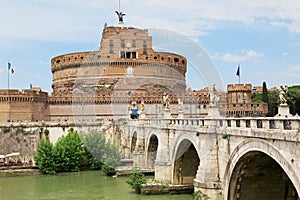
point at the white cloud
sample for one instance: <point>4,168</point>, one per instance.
<point>292,73</point>
<point>75,20</point>
<point>294,68</point>
<point>243,56</point>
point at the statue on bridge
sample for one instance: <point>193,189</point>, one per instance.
<point>166,101</point>
<point>212,95</point>
<point>282,94</point>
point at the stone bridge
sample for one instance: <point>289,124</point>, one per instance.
<point>226,158</point>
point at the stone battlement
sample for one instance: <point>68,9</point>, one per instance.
<point>239,87</point>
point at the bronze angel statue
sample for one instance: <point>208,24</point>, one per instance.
<point>120,15</point>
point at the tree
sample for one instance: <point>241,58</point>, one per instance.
<point>45,157</point>
<point>108,155</point>
<point>265,97</point>
<point>273,103</point>
<point>293,98</point>
<point>69,152</point>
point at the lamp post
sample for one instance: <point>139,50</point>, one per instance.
<point>190,105</point>
<point>244,106</point>
<point>254,107</point>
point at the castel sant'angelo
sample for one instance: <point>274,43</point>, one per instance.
<point>124,78</point>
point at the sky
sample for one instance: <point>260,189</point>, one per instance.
<point>262,37</point>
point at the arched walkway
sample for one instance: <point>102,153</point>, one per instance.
<point>152,151</point>
<point>186,163</point>
<point>257,170</point>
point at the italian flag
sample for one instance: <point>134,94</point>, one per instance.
<point>10,68</point>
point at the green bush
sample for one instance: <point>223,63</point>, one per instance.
<point>100,151</point>
<point>45,157</point>
<point>200,196</point>
<point>109,165</point>
<point>136,179</point>
<point>6,129</point>
<point>69,153</point>
<point>46,132</point>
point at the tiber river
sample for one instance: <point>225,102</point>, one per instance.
<point>86,185</point>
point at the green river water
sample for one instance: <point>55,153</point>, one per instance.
<point>80,185</point>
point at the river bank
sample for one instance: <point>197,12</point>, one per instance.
<point>19,171</point>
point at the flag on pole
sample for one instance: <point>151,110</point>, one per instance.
<point>238,71</point>
<point>10,68</point>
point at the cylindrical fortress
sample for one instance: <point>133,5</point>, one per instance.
<point>122,52</point>
<point>125,69</point>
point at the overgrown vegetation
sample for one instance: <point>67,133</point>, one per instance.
<point>6,129</point>
<point>225,135</point>
<point>72,153</point>
<point>200,196</point>
<point>136,180</point>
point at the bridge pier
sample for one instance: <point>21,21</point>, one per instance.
<point>140,159</point>
<point>163,172</point>
<point>208,174</point>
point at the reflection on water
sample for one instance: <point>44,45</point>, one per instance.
<point>65,186</point>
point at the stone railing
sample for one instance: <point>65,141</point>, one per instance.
<point>237,123</point>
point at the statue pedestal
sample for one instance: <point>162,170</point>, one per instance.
<point>180,115</point>
<point>213,112</point>
<point>167,113</point>
<point>283,111</point>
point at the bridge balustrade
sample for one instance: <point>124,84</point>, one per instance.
<point>247,123</point>
<point>265,123</point>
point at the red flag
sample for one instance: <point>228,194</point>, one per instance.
<point>12,70</point>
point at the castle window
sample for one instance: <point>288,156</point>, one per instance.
<point>123,44</point>
<point>111,43</point>
<point>133,54</point>
<point>183,62</point>
<point>162,58</point>
<point>128,54</point>
<point>176,60</point>
<point>123,54</point>
<point>144,47</point>
<point>133,43</point>
<point>155,57</point>
<point>58,61</point>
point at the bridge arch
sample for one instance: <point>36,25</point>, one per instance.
<point>152,150</point>
<point>256,158</point>
<point>186,161</point>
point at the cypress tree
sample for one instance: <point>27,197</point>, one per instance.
<point>265,97</point>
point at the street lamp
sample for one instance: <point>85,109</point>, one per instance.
<point>244,106</point>
<point>254,107</point>
<point>190,105</point>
